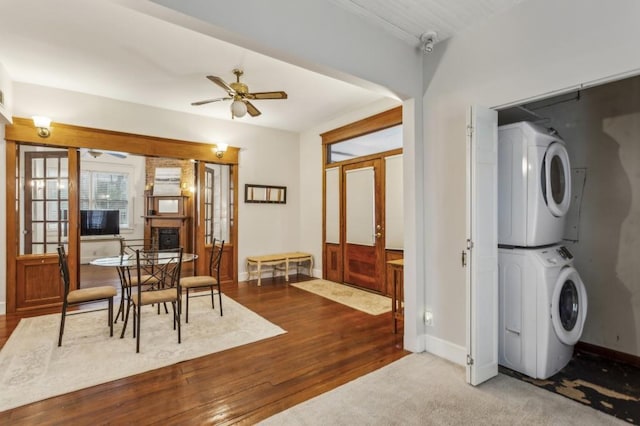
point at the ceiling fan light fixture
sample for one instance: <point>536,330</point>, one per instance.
<point>238,108</point>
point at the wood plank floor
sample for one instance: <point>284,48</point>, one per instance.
<point>326,345</point>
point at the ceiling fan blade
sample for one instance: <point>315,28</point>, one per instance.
<point>267,95</point>
<point>252,110</point>
<point>220,82</point>
<point>117,154</point>
<point>208,101</point>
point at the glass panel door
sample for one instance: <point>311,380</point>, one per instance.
<point>45,173</point>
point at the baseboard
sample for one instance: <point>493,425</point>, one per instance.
<point>610,354</point>
<point>3,308</point>
<point>447,350</point>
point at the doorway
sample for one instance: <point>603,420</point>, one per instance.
<point>363,170</point>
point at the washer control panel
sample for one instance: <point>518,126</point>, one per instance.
<point>556,255</point>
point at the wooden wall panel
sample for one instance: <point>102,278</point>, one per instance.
<point>333,262</point>
<point>41,282</point>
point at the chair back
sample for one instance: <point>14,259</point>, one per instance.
<point>64,270</point>
<point>129,246</point>
<point>216,259</point>
<point>159,266</point>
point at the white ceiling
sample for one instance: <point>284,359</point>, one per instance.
<point>105,49</point>
<point>408,19</point>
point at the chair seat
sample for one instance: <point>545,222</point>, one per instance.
<point>91,294</point>
<point>158,296</point>
<point>197,281</point>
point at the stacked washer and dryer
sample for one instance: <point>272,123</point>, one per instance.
<point>543,302</point>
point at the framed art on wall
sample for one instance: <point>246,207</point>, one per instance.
<point>265,194</point>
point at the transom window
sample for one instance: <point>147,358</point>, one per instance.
<point>361,146</point>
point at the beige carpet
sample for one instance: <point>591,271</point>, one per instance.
<point>33,367</point>
<point>361,300</point>
<point>421,389</point>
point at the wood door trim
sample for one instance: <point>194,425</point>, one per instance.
<point>377,122</point>
<point>367,125</point>
<point>23,132</point>
<point>12,227</point>
<point>68,136</point>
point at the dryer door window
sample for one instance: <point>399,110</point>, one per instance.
<point>555,177</point>
<point>568,306</point>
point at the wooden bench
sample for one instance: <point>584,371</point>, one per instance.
<point>276,261</point>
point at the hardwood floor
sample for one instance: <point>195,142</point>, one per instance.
<point>326,345</point>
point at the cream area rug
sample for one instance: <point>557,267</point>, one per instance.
<point>421,389</point>
<point>373,304</point>
<point>33,367</point>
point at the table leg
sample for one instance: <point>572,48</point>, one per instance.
<point>259,273</point>
<point>394,301</point>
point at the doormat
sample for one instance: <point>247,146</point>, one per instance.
<point>371,303</point>
<point>605,385</point>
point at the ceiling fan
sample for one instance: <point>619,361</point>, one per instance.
<point>241,96</point>
<point>95,153</point>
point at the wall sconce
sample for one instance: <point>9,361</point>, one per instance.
<point>43,124</point>
<point>220,149</point>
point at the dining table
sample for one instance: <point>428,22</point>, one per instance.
<point>129,260</point>
<point>126,261</point>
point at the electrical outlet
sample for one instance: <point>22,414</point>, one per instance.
<point>428,318</point>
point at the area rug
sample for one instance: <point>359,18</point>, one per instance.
<point>421,389</point>
<point>364,301</point>
<point>33,367</point>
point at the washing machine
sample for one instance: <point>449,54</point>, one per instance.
<point>543,307</point>
<point>534,185</point>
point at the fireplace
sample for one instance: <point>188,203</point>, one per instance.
<point>168,238</point>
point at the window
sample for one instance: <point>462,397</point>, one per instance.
<point>371,143</point>
<point>105,191</point>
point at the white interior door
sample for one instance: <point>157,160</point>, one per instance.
<point>482,245</point>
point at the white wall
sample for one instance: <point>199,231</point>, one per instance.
<point>6,86</point>
<point>535,48</point>
<point>266,156</point>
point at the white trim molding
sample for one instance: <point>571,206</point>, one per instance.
<point>447,350</point>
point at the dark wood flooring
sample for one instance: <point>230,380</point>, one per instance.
<point>326,345</point>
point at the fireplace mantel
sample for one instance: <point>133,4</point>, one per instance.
<point>168,211</point>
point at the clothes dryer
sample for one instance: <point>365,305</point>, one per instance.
<point>543,307</point>
<point>534,185</point>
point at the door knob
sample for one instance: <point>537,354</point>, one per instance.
<point>378,234</point>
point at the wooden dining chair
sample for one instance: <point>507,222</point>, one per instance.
<point>162,267</point>
<point>206,281</point>
<point>83,295</point>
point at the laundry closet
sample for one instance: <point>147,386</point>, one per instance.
<point>600,127</point>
